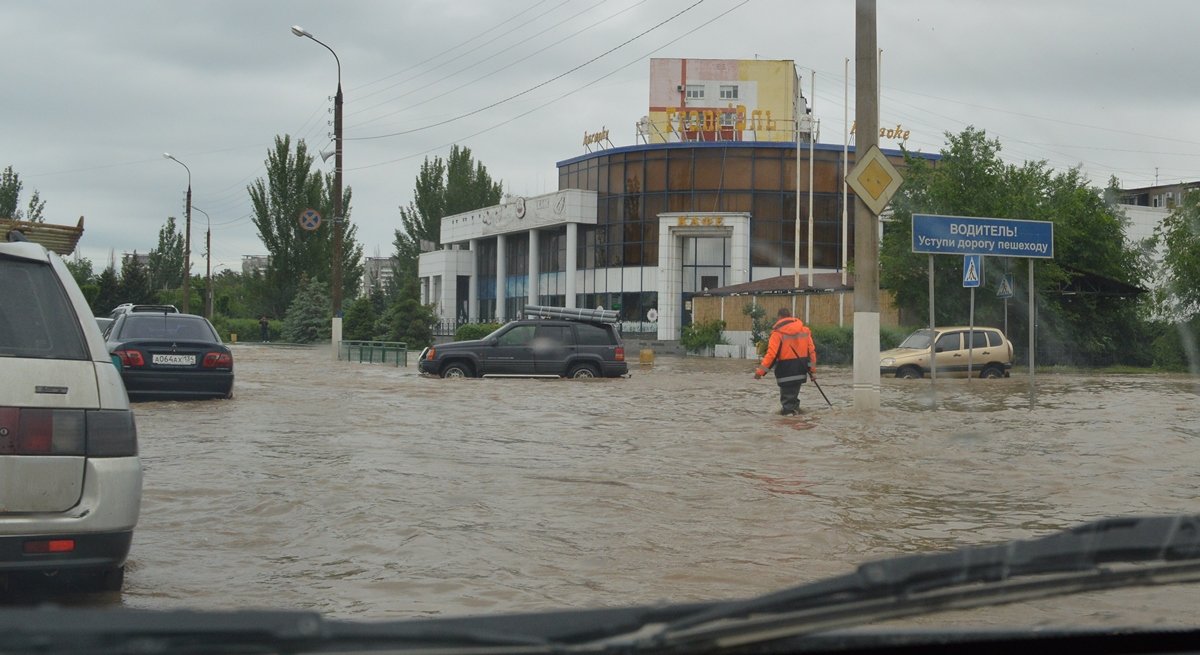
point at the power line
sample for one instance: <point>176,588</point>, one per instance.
<point>569,93</point>
<point>535,87</point>
<point>510,65</point>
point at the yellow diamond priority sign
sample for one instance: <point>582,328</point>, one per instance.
<point>874,179</point>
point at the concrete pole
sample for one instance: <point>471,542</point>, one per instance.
<point>866,224</point>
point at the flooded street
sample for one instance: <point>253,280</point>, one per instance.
<point>368,491</point>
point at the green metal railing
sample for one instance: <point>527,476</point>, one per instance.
<point>369,351</point>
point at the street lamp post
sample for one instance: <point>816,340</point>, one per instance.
<point>187,239</point>
<point>337,187</point>
<point>208,264</point>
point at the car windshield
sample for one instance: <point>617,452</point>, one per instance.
<point>919,339</point>
<point>449,345</point>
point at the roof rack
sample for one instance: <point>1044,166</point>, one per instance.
<point>602,315</point>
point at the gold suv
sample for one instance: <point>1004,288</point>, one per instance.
<point>983,352</point>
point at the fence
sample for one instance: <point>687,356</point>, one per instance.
<point>368,350</point>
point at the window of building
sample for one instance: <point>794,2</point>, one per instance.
<point>728,119</point>
<point>729,92</point>
<point>695,92</point>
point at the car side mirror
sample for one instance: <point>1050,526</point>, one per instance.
<point>493,341</point>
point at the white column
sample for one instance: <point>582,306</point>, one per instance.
<point>533,269</point>
<point>447,288</point>
<point>572,262</point>
<point>739,246</point>
<point>473,285</point>
<point>501,265</point>
<point>670,281</point>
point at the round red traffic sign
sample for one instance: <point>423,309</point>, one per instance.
<point>310,219</point>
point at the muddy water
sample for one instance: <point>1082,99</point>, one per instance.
<point>367,491</point>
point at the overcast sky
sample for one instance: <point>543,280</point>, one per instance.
<point>95,92</point>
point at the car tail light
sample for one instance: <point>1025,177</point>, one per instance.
<point>46,546</point>
<point>620,353</point>
<point>218,360</point>
<point>111,433</point>
<point>95,433</point>
<point>25,431</point>
<point>130,358</point>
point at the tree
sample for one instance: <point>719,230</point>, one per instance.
<point>409,321</point>
<point>307,319</point>
<point>442,188</point>
<point>135,283</point>
<point>165,268</point>
<point>291,186</point>
<point>360,320</point>
<point>81,269</point>
<point>1179,237</point>
<point>972,180</point>
<point>108,294</point>
<point>10,195</point>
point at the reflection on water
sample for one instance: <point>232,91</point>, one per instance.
<point>368,491</point>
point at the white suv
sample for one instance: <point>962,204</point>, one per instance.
<point>70,476</point>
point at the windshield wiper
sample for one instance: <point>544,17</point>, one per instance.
<point>1158,550</point>
<point>1165,550</point>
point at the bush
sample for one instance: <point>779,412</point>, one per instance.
<point>246,329</point>
<point>835,345</point>
<point>701,336</point>
<point>475,331</point>
<point>1176,349</point>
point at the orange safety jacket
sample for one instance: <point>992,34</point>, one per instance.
<point>790,351</point>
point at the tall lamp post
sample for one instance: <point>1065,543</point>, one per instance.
<point>337,191</point>
<point>187,239</point>
<point>208,264</point>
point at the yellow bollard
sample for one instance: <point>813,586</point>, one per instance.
<point>646,356</point>
<point>233,337</point>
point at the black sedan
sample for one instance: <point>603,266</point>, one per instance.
<point>165,355</point>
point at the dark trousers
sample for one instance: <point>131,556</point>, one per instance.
<point>264,333</point>
<point>789,397</point>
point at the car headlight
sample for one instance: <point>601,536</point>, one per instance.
<point>887,361</point>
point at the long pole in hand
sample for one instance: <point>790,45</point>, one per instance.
<point>814,381</point>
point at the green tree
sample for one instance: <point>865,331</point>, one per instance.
<point>81,269</point>
<point>359,324</point>
<point>166,260</point>
<point>292,186</point>
<point>443,188</point>
<point>1179,237</point>
<point>307,319</point>
<point>972,180</point>
<point>407,320</point>
<point>135,282</point>
<point>108,294</point>
<point>10,197</point>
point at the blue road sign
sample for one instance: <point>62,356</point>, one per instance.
<point>972,270</point>
<point>995,237</point>
<point>1006,287</point>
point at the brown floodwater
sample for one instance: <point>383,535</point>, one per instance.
<point>368,491</point>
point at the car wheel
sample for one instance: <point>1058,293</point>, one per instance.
<point>583,372</point>
<point>992,372</point>
<point>909,373</point>
<point>456,370</point>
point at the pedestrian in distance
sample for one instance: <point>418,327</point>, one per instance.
<point>792,354</point>
<point>264,329</point>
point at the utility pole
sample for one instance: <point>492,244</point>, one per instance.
<point>866,223</point>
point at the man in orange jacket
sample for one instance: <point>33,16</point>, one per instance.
<point>792,353</point>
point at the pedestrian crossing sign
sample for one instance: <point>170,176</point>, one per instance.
<point>1006,287</point>
<point>972,270</point>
